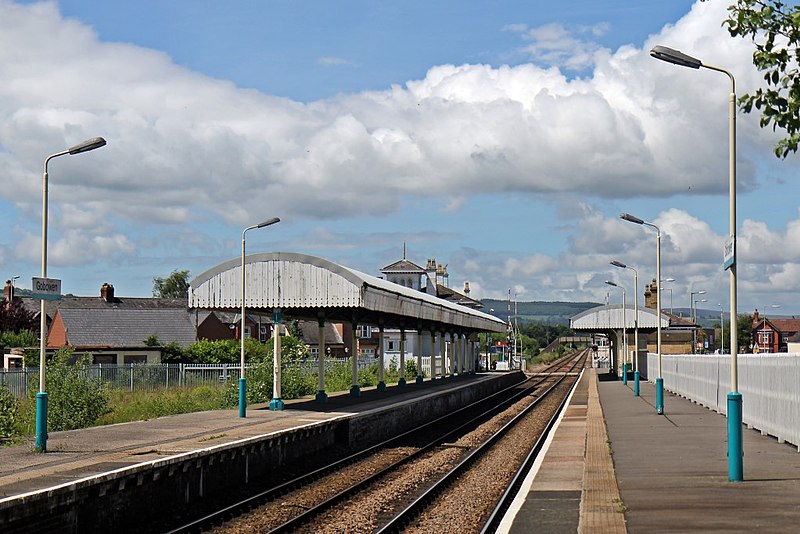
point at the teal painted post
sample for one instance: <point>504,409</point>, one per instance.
<point>41,421</point>
<point>660,396</point>
<point>625,374</point>
<point>636,383</point>
<point>242,397</point>
<point>735,449</point>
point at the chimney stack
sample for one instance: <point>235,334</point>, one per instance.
<point>7,291</point>
<point>107,292</point>
<point>755,316</point>
<point>466,288</point>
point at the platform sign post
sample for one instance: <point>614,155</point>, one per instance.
<point>46,288</point>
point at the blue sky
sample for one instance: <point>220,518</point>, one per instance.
<point>500,138</point>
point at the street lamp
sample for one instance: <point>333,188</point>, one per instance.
<point>694,332</point>
<point>41,396</point>
<point>621,265</point>
<point>242,381</point>
<point>624,334</point>
<point>735,450</point>
<point>670,293</point>
<point>693,316</point>
<point>660,379</point>
<point>691,300</point>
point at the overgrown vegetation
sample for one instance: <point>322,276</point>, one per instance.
<point>75,399</point>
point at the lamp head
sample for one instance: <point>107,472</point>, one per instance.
<point>619,264</point>
<point>268,222</point>
<point>86,146</point>
<point>630,218</point>
<point>609,282</point>
<point>675,57</point>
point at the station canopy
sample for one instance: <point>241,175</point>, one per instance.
<point>308,287</point>
<point>604,318</point>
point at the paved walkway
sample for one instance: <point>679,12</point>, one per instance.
<point>613,466</point>
<point>672,470</point>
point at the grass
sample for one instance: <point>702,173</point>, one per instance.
<point>129,406</point>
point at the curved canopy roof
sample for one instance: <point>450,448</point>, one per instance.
<point>309,287</point>
<point>611,318</point>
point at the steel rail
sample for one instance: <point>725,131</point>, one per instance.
<point>270,494</point>
<point>404,518</point>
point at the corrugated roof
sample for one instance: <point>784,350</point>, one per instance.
<point>611,318</point>
<point>305,286</point>
<point>114,327</point>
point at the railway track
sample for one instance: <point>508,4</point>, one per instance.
<point>401,483</point>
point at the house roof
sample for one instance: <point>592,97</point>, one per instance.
<point>781,325</point>
<point>444,292</point>
<point>127,328</point>
<point>403,266</point>
<point>311,333</point>
<point>124,303</point>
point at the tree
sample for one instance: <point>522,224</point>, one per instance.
<point>744,331</point>
<point>175,286</point>
<point>15,317</point>
<point>774,28</point>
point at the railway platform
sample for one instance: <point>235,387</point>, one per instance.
<point>614,465</point>
<point>77,454</point>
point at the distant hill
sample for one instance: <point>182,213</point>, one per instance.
<point>537,312</point>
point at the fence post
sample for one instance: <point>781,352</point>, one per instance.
<point>166,373</point>
<point>131,376</point>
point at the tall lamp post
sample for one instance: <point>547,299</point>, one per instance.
<point>621,265</point>
<point>624,333</point>
<point>721,329</point>
<point>242,380</point>
<point>692,315</point>
<point>41,396</point>
<point>694,312</point>
<point>735,450</point>
<point>670,292</point>
<point>660,379</point>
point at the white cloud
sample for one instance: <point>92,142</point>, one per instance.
<point>186,148</point>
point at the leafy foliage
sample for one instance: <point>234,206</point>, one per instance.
<point>175,286</point>
<point>15,317</point>
<point>8,414</point>
<point>774,28</point>
<point>75,399</point>
<point>21,338</point>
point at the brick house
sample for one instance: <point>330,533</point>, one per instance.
<point>773,335</point>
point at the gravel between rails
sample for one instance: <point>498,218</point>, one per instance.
<point>467,505</point>
<point>463,511</point>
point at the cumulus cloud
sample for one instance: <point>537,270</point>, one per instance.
<point>553,44</point>
<point>184,147</point>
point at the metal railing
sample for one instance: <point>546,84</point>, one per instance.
<point>150,377</point>
<point>768,384</point>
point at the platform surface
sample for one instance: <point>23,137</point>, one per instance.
<point>76,454</point>
<point>614,465</point>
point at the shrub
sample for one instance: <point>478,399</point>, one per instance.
<point>9,414</point>
<point>75,399</point>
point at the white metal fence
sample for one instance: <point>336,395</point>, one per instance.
<point>769,384</point>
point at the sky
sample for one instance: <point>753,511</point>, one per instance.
<point>501,138</point>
